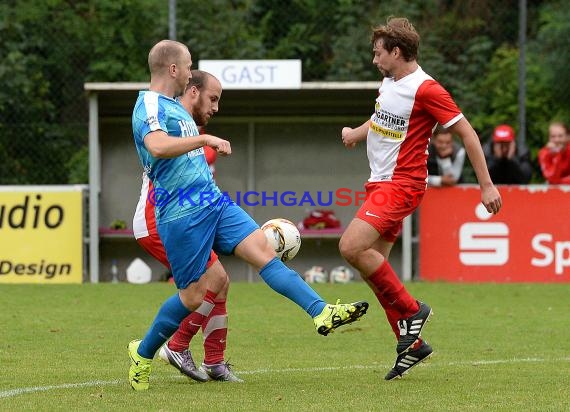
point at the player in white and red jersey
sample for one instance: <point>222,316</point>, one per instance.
<point>409,106</point>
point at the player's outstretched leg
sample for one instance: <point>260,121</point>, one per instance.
<point>289,283</point>
<point>411,328</point>
<point>183,362</point>
<point>406,361</point>
<point>339,314</point>
<point>221,372</point>
<point>139,371</point>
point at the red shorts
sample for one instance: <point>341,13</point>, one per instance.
<point>154,247</point>
<point>388,203</point>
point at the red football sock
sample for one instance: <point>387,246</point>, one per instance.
<point>394,294</point>
<point>392,314</point>
<point>191,324</point>
<point>215,330</point>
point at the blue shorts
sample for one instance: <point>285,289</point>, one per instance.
<point>189,240</point>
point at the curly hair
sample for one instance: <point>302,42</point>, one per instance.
<point>398,32</point>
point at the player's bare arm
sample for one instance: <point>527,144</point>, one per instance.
<point>352,136</point>
<point>490,196</point>
<point>162,146</point>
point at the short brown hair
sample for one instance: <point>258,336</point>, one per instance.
<point>398,32</point>
<point>199,79</point>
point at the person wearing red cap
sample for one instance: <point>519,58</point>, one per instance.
<point>506,164</point>
<point>554,158</point>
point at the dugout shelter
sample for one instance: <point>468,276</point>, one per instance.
<point>282,141</point>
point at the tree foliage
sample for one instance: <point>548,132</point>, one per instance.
<point>552,47</point>
<point>49,48</point>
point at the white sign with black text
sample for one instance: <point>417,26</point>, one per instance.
<point>255,74</point>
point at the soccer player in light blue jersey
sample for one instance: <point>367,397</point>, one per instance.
<point>201,99</point>
<point>193,216</point>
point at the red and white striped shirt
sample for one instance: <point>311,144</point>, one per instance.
<point>144,221</point>
<point>405,114</point>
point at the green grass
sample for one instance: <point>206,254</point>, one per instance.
<point>496,348</point>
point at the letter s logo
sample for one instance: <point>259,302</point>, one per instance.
<point>484,244</point>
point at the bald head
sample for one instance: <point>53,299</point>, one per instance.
<point>170,63</point>
<point>165,53</point>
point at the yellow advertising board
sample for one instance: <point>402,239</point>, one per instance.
<point>41,234</point>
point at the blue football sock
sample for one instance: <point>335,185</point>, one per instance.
<point>167,320</point>
<point>288,283</point>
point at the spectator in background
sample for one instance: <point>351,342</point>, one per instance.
<point>445,160</point>
<point>506,164</point>
<point>554,158</point>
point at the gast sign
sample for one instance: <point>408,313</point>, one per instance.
<point>255,74</point>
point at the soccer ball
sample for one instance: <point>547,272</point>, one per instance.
<point>316,274</point>
<point>283,236</point>
<point>341,274</point>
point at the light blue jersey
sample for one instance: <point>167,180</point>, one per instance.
<point>183,185</point>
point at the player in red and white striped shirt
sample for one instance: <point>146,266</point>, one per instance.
<point>409,106</point>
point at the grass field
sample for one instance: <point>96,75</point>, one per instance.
<point>496,348</point>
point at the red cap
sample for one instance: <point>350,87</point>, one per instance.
<point>503,133</point>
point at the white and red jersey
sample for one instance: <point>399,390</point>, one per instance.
<point>405,115</point>
<point>144,226</point>
<point>144,221</point>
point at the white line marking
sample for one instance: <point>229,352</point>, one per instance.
<point>33,389</point>
<point>21,391</point>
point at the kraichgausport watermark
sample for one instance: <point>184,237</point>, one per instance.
<point>340,197</point>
